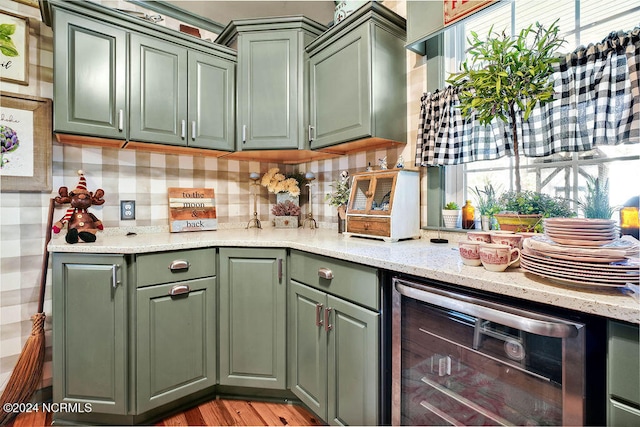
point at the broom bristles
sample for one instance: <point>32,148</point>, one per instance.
<point>27,373</point>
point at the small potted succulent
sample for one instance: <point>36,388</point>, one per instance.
<point>287,214</point>
<point>451,214</point>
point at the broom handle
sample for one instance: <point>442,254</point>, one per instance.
<point>45,256</point>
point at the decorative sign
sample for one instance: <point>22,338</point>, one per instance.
<point>458,9</point>
<point>192,209</point>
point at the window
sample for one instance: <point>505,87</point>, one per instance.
<point>565,174</point>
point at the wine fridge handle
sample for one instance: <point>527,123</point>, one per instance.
<point>509,316</point>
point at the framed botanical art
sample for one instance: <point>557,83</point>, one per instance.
<point>25,143</point>
<point>14,48</point>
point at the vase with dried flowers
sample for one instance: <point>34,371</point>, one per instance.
<point>285,186</point>
<point>287,214</point>
<point>339,197</point>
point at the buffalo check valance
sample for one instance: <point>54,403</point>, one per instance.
<point>596,102</point>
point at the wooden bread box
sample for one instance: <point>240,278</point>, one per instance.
<point>384,204</point>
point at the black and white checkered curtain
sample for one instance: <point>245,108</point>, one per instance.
<point>597,102</point>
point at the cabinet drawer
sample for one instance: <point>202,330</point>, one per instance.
<point>374,226</point>
<point>353,282</point>
<point>622,415</point>
<point>165,267</point>
<point>624,362</point>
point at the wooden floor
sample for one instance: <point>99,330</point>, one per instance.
<point>220,412</point>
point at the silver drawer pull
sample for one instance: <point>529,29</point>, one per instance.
<point>327,325</point>
<point>325,273</point>
<point>114,275</point>
<point>179,264</point>
<point>319,314</point>
<point>179,290</point>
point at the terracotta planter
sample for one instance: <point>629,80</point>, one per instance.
<point>517,222</point>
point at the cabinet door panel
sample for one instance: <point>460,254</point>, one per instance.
<point>89,350</point>
<point>158,91</point>
<point>252,318</point>
<point>308,347</point>
<point>211,102</point>
<point>90,77</point>
<point>353,362</point>
<point>340,85</point>
<point>175,342</point>
<point>268,91</point>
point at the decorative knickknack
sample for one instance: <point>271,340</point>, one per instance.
<point>287,214</point>
<point>339,198</point>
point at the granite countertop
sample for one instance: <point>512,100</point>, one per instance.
<point>417,257</point>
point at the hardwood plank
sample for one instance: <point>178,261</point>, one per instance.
<point>194,417</point>
<point>310,419</point>
<point>271,415</point>
<point>215,414</point>
<point>178,419</point>
<point>29,419</point>
<point>243,413</point>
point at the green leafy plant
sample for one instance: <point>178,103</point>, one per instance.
<point>504,73</point>
<point>341,191</point>
<point>531,202</point>
<point>486,200</point>
<point>451,206</point>
<point>596,202</point>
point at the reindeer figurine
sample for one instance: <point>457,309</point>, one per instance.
<point>83,225</point>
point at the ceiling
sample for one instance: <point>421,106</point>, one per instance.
<point>223,12</point>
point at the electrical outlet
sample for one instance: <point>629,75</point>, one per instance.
<point>127,209</point>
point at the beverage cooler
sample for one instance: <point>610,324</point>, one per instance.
<point>464,359</point>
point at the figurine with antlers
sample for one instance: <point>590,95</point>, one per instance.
<point>82,225</point>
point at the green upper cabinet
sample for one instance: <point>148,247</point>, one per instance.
<point>158,91</point>
<point>119,78</point>
<point>357,81</point>
<point>90,362</point>
<point>179,96</point>
<point>90,77</point>
<point>272,89</point>
<point>253,317</point>
<point>211,109</point>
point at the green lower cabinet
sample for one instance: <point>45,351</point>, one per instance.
<point>252,346</point>
<point>90,354</point>
<point>175,341</point>
<point>623,374</point>
<point>334,356</point>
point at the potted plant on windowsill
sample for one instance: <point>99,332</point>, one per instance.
<point>595,204</point>
<point>450,215</point>
<point>487,204</point>
<point>525,210</point>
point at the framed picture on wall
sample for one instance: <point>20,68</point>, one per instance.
<point>14,48</point>
<point>25,140</point>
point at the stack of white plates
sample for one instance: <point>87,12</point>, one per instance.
<point>581,232</point>
<point>611,264</point>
